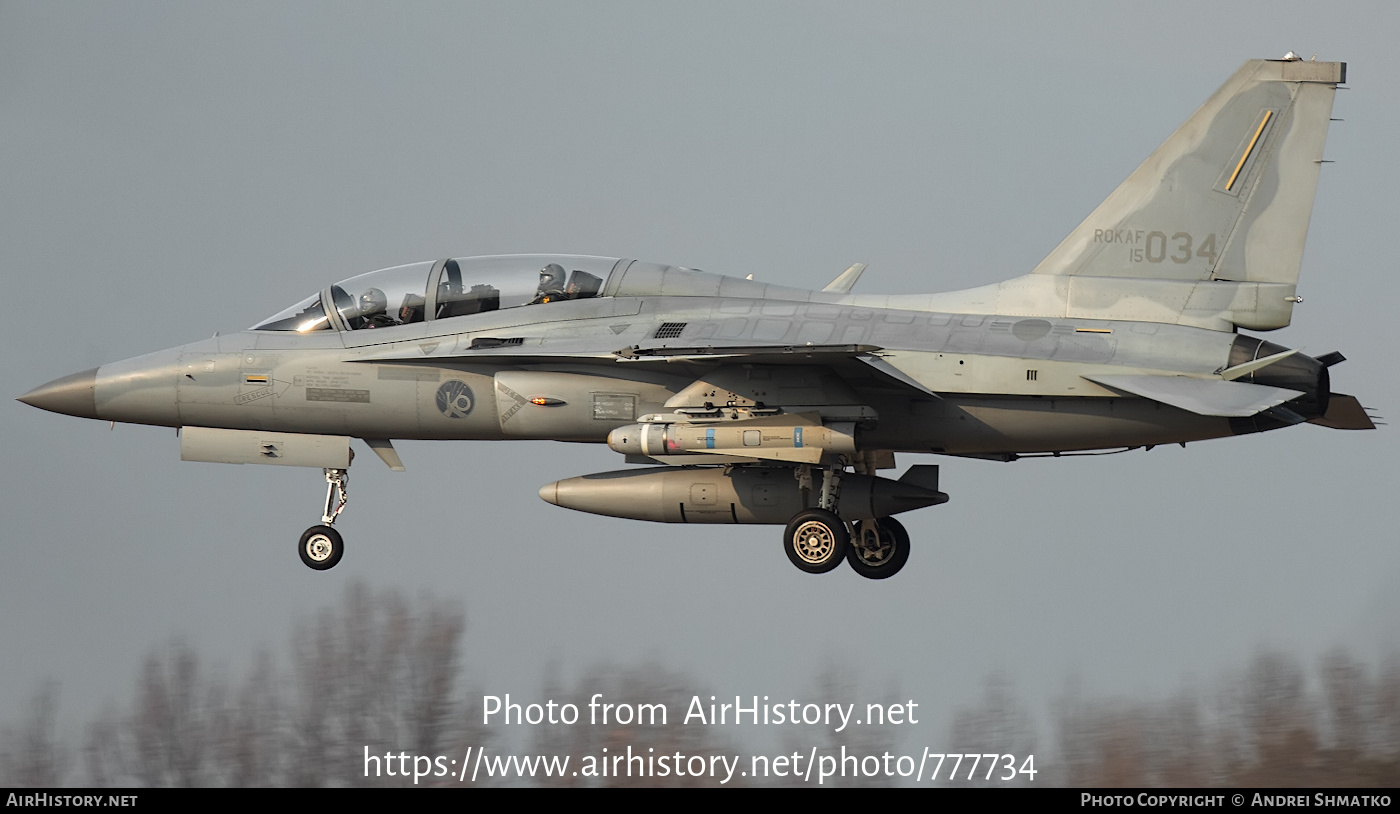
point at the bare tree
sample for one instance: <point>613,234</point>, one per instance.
<point>253,734</point>
<point>1265,729</point>
<point>642,732</point>
<point>168,736</point>
<point>31,756</point>
<point>999,724</point>
<point>1270,708</point>
<point>1125,744</point>
<point>1363,717</point>
<point>837,683</point>
<point>1100,742</point>
<point>375,677</point>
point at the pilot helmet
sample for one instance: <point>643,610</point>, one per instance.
<point>552,277</point>
<point>373,301</point>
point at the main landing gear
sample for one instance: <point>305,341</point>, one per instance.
<point>879,548</point>
<point>817,540</point>
<point>321,547</point>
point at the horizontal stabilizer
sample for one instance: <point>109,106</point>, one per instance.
<point>1200,396</point>
<point>846,281</point>
<point>1345,413</point>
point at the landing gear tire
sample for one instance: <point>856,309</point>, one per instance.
<point>816,541</point>
<point>880,549</point>
<point>321,547</point>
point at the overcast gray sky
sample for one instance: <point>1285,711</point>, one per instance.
<point>176,169</point>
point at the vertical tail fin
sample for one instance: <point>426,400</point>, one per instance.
<point>1226,198</point>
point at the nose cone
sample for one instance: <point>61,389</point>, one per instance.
<point>70,395</point>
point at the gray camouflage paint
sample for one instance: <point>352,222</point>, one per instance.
<point>999,370</point>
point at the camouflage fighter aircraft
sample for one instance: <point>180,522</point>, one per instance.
<point>747,402</point>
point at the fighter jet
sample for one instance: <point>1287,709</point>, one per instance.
<point>740,401</point>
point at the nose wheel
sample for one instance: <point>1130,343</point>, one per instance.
<point>321,547</point>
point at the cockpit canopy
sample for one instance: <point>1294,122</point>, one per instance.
<point>419,292</point>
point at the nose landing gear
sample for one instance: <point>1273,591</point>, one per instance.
<point>321,547</point>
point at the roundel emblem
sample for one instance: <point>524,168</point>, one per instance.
<point>454,399</point>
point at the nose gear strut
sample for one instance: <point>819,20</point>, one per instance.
<point>337,494</point>
<point>321,547</point>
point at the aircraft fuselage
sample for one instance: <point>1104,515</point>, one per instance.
<point>1005,385</point>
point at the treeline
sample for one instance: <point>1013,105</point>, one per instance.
<point>383,674</point>
<point>377,671</point>
<point>1270,725</point>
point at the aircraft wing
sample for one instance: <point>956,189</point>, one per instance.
<point>838,357</point>
<point>1200,396</point>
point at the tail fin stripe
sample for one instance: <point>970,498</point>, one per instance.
<point>1229,185</point>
